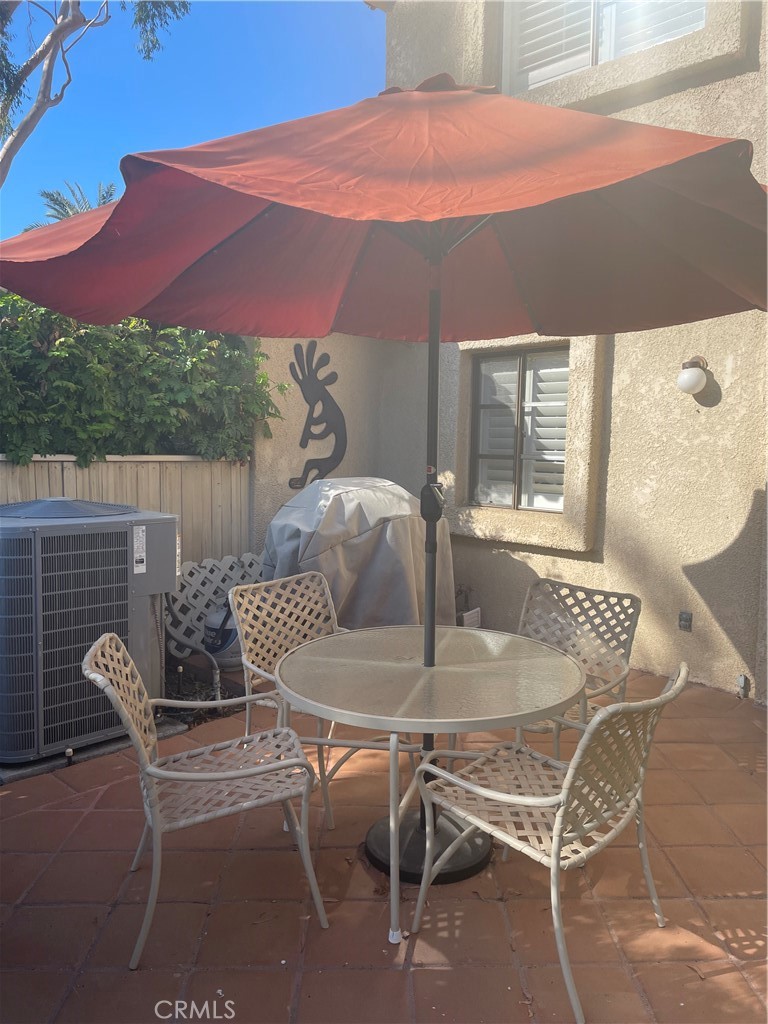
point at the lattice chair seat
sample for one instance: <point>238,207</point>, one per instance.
<point>182,802</point>
<point>203,586</point>
<point>275,617</point>
<point>595,627</point>
<point>558,814</point>
<point>204,783</point>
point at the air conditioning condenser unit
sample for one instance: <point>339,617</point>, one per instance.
<point>71,570</point>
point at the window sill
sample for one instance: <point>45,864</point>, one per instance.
<point>523,526</point>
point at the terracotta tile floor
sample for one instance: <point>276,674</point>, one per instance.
<point>234,931</point>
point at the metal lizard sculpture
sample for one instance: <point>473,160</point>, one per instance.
<point>324,417</point>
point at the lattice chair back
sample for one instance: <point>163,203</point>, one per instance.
<point>596,627</point>
<point>276,616</point>
<point>203,586</point>
<point>606,772</point>
<point>109,665</point>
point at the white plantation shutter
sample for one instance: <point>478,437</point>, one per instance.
<point>631,25</point>
<point>552,39</point>
<point>544,422</point>
<point>519,446</point>
<point>497,431</point>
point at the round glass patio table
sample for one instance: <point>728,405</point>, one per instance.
<point>375,679</point>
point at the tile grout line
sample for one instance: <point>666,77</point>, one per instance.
<point>627,965</point>
<point>78,968</point>
<point>517,965</point>
<point>213,902</point>
<point>298,978</point>
<point>51,854</point>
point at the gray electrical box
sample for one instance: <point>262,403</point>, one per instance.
<point>71,570</point>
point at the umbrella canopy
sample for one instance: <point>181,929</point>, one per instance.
<point>442,213</point>
<point>574,223</point>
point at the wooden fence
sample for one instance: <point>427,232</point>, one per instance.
<point>211,499</point>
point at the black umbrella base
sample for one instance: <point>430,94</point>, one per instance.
<point>468,860</point>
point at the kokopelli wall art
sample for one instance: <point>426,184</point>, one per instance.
<point>324,417</point>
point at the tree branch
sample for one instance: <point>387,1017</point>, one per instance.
<point>71,19</point>
<point>44,10</point>
<point>93,23</point>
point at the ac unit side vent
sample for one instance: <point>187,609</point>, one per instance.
<point>17,645</point>
<point>77,607</point>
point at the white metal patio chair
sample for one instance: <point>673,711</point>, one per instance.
<point>596,627</point>
<point>203,783</point>
<point>558,814</point>
<point>275,617</point>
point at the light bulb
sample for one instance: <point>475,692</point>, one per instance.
<point>692,378</point>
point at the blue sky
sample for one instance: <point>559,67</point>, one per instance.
<point>229,66</point>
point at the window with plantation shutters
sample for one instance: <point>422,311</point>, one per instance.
<point>550,39</point>
<point>520,408</point>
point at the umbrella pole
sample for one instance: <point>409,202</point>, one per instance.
<point>431,493</point>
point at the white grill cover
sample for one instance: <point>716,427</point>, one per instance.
<point>365,535</point>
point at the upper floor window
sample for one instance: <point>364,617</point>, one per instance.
<point>556,39</point>
<point>519,419</point>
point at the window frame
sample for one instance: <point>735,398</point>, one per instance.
<point>723,46</point>
<point>475,458</point>
<point>588,384</point>
<point>598,10</point>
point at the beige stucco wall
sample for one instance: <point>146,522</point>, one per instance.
<point>368,373</point>
<point>679,510</point>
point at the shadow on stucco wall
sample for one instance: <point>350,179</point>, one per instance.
<point>705,577</point>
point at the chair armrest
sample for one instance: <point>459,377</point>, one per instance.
<point>266,676</point>
<point>245,773</point>
<point>569,723</point>
<point>253,698</point>
<point>487,794</point>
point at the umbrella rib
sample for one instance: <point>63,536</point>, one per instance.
<point>477,226</point>
<point>213,248</point>
<point>637,226</point>
<point>352,274</point>
<point>517,279</point>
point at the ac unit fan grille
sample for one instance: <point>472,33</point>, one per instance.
<point>84,593</point>
<point>17,646</point>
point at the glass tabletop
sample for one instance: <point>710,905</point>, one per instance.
<point>375,678</point>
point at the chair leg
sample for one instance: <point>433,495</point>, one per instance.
<point>395,932</point>
<point>429,859</point>
<point>452,745</point>
<point>322,775</point>
<point>643,845</point>
<point>157,856</point>
<point>411,755</point>
<point>140,848</point>
<point>301,835</point>
<point>519,735</point>
<point>248,692</point>
<point>556,740</point>
<point>562,951</point>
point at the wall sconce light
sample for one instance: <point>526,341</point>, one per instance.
<point>692,377</point>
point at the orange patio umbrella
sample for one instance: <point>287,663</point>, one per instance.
<point>442,213</point>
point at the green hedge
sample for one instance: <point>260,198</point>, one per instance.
<point>129,389</point>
